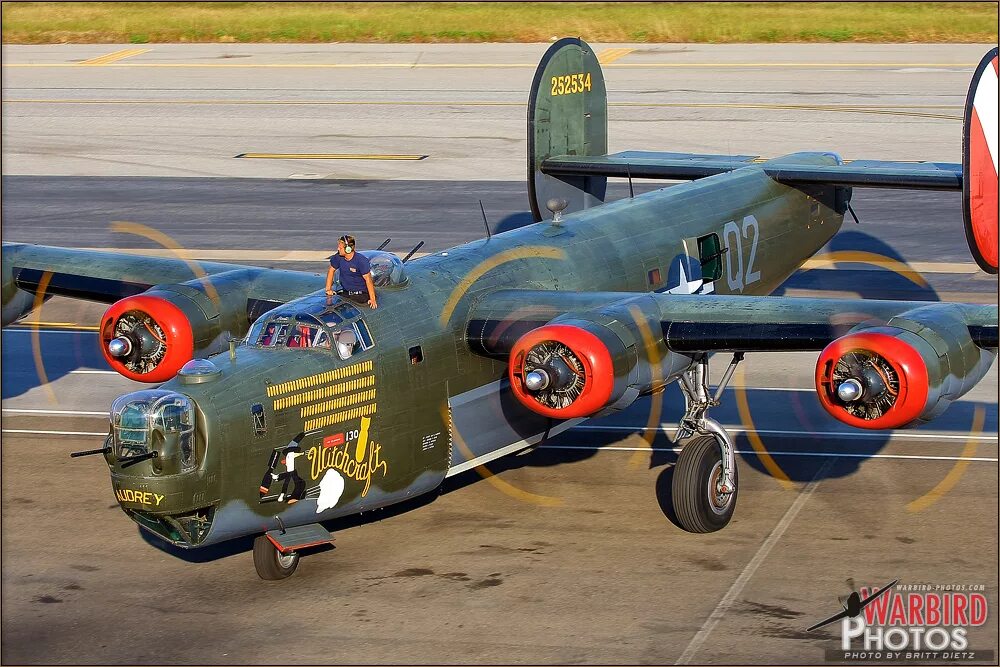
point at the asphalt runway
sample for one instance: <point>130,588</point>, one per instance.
<point>581,561</point>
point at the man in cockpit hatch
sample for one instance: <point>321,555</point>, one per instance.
<point>355,273</point>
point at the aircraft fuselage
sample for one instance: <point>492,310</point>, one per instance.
<point>376,429</point>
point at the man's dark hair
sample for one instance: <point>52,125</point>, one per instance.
<point>348,239</point>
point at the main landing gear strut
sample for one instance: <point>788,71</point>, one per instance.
<point>706,479</point>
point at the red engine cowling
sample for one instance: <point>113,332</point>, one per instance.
<point>562,371</point>
<point>146,338</point>
<point>872,380</point>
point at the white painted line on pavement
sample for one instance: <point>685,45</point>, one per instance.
<point>737,588</point>
<point>840,455</point>
<point>901,435</point>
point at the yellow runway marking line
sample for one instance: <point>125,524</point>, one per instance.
<point>503,65</point>
<point>610,55</point>
<point>329,156</point>
<point>56,325</point>
<point>114,57</point>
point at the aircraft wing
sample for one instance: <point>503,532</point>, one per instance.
<point>106,277</point>
<point>165,310</point>
<point>827,621</point>
<point>689,166</point>
<point>883,364</point>
<point>693,323</point>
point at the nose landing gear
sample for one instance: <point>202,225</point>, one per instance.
<point>705,478</point>
<point>270,563</point>
<point>276,552</point>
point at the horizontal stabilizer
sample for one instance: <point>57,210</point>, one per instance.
<point>872,174</point>
<point>691,166</point>
<point>646,164</point>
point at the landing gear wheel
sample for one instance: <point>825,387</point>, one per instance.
<point>270,563</point>
<point>699,506</point>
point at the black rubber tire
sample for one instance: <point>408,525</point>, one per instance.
<point>268,561</point>
<point>692,476</point>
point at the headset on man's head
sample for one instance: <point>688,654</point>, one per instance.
<point>348,242</point>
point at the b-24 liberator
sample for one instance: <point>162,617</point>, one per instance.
<point>279,408</point>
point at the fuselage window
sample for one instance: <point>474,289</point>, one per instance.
<point>710,253</point>
<point>364,337</point>
<point>416,355</point>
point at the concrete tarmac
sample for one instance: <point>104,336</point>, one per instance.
<point>598,572</point>
<point>188,110</point>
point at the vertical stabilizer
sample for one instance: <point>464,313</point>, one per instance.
<point>567,115</point>
<point>979,164</point>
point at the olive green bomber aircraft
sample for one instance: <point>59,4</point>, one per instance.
<point>322,409</point>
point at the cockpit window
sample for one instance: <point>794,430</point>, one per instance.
<point>327,323</point>
<point>304,335</point>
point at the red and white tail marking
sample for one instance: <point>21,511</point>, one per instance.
<point>981,165</point>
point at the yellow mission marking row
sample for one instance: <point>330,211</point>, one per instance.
<point>338,403</point>
<point>320,378</point>
<point>324,392</point>
<point>337,417</point>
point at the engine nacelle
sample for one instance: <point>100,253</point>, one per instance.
<point>149,336</point>
<point>904,373</point>
<point>586,366</point>
<point>564,371</point>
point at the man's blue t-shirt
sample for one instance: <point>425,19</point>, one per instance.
<point>352,271</point>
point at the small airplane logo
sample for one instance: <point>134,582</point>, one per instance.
<point>854,605</point>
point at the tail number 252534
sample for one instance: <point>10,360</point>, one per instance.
<point>569,84</point>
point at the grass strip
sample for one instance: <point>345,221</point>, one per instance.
<point>736,22</point>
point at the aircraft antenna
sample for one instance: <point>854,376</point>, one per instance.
<point>628,172</point>
<point>410,254</point>
<point>486,222</point>
<point>384,244</point>
<point>853,214</point>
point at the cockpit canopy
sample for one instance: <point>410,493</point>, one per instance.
<point>387,269</point>
<point>316,322</point>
